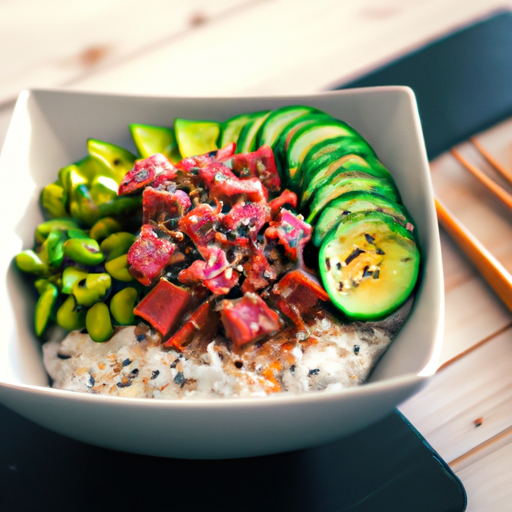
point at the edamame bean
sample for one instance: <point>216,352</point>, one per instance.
<point>103,189</point>
<point>70,275</point>
<point>120,205</point>
<point>118,268</point>
<point>29,261</point>
<point>122,304</point>
<point>44,307</point>
<point>93,288</point>
<point>52,248</point>
<point>117,244</point>
<point>54,199</point>
<point>98,323</point>
<point>104,228</point>
<point>45,228</point>
<point>82,205</point>
<point>70,316</point>
<point>83,250</point>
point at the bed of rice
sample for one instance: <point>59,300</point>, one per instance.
<point>132,364</point>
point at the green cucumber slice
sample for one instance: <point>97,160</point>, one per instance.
<point>347,181</point>
<point>278,120</point>
<point>281,146</point>
<point>348,162</point>
<point>307,137</point>
<point>150,139</point>
<point>196,137</point>
<point>230,129</point>
<point>247,138</point>
<point>357,201</point>
<point>369,265</point>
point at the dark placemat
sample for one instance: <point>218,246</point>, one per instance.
<point>462,81</point>
<point>386,467</point>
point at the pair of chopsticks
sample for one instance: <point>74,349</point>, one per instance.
<point>491,269</point>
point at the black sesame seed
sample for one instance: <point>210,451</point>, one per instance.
<point>135,371</point>
<point>127,361</point>
<point>155,374</point>
<point>340,286</point>
<point>239,364</point>
<point>314,371</point>
<point>328,263</point>
<point>292,368</point>
<point>338,265</point>
<point>180,379</point>
<point>356,349</point>
<point>90,382</point>
<point>141,337</point>
<point>380,251</point>
<point>125,384</point>
<point>353,255</point>
<point>175,363</point>
<point>369,238</point>
<point>366,272</point>
<point>63,356</point>
<point>376,274</point>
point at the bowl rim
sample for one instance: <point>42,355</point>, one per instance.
<point>406,379</point>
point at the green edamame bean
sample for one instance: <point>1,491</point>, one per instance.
<point>93,288</point>
<point>29,261</point>
<point>70,275</point>
<point>114,160</point>
<point>122,304</point>
<point>83,250</point>
<point>70,316</point>
<point>54,199</point>
<point>82,206</point>
<point>77,233</point>
<point>98,322</point>
<point>120,205</point>
<point>118,268</point>
<point>45,228</point>
<point>104,228</point>
<point>52,248</point>
<point>44,307</point>
<point>117,244</point>
<point>103,189</point>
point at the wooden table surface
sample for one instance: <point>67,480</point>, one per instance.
<point>231,47</point>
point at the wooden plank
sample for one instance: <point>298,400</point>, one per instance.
<point>467,402</point>
<point>488,480</point>
<point>57,42</point>
<point>289,50</point>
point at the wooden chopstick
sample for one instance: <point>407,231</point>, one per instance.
<point>491,269</point>
<point>496,189</point>
<point>494,163</point>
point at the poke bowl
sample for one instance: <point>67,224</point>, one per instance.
<point>49,130</point>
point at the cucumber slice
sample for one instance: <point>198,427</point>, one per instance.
<point>114,161</point>
<point>278,120</point>
<point>281,146</point>
<point>155,139</point>
<point>346,181</point>
<point>345,163</point>
<point>328,151</point>
<point>369,265</point>
<point>357,201</point>
<point>307,137</point>
<point>196,137</point>
<point>247,138</point>
<point>230,129</point>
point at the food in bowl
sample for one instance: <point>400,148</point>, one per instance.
<point>209,247</point>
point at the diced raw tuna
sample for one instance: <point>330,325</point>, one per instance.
<point>149,255</point>
<point>258,164</point>
<point>144,172</point>
<point>161,206</point>
<point>163,306</point>
<point>246,219</point>
<point>200,326</point>
<point>292,232</point>
<point>248,319</point>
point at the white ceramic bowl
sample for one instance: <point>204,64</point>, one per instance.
<point>49,129</point>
